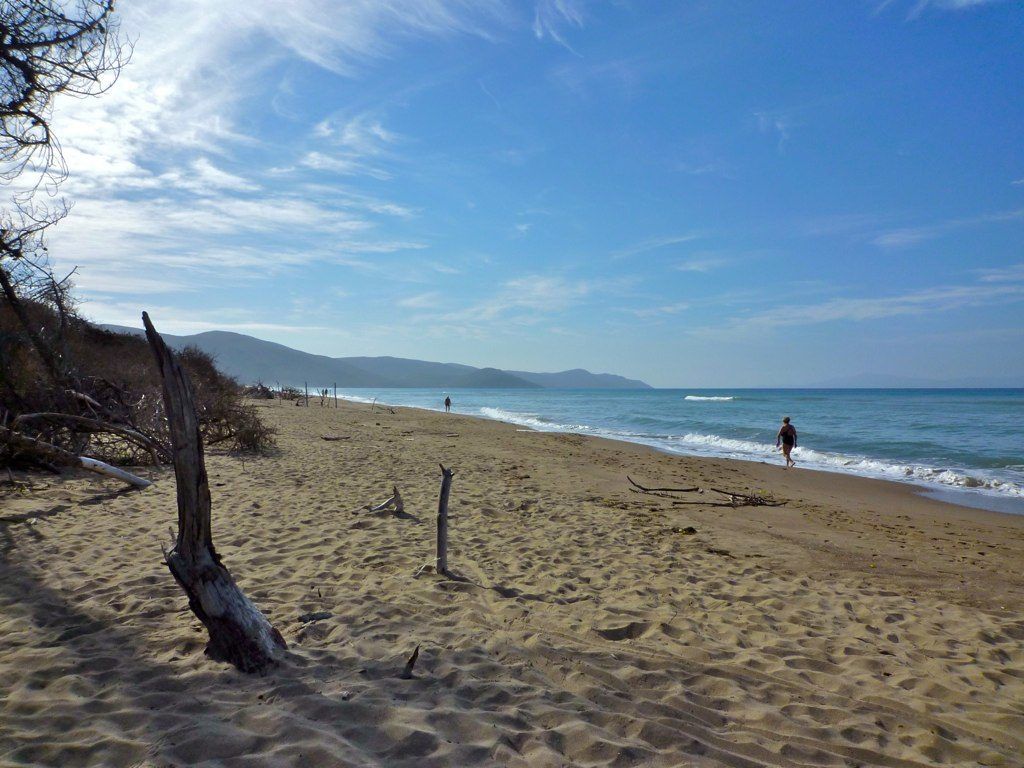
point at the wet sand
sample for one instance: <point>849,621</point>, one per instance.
<point>859,624</point>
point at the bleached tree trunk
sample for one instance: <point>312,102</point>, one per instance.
<point>239,633</point>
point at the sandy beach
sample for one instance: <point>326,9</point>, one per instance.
<point>860,624</point>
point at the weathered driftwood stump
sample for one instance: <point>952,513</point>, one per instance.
<point>441,565</point>
<point>239,633</point>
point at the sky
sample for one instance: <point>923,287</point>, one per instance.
<point>699,194</point>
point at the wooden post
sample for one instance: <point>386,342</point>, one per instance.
<point>239,633</point>
<point>335,394</point>
<point>442,521</point>
<point>305,384</point>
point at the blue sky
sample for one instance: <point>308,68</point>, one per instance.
<point>696,193</point>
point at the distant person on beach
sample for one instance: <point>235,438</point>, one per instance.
<point>447,404</point>
<point>787,436</point>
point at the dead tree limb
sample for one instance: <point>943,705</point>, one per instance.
<point>747,500</point>
<point>735,499</point>
<point>60,456</point>
<point>441,565</point>
<point>239,633</point>
<point>635,484</point>
<point>148,444</point>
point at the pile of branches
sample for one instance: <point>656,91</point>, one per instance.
<point>735,499</point>
<point>93,392</point>
<point>258,391</point>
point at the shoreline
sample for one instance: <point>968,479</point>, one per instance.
<point>967,498</point>
<point>589,625</point>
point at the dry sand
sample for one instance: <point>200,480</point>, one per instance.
<point>858,625</point>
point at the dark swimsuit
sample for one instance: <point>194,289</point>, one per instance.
<point>787,437</point>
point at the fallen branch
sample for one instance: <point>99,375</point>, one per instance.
<point>663,490</point>
<point>148,444</point>
<point>736,499</point>
<point>60,456</point>
<point>746,500</point>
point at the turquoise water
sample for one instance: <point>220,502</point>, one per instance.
<point>969,441</point>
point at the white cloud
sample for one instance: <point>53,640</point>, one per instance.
<point>702,263</point>
<point>346,165</point>
<point>549,16</point>
<point>658,311</point>
<point>156,169</point>
<point>1011,274</point>
<point>421,301</point>
<point>653,244</point>
<point>172,319</point>
<point>908,236</point>
<point>776,124</point>
<point>921,6</point>
<point>924,301</point>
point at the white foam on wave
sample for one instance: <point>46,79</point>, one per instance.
<point>707,399</point>
<point>837,462</point>
<point>356,398</point>
<point>731,448</point>
<point>532,420</point>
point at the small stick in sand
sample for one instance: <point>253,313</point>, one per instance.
<point>407,672</point>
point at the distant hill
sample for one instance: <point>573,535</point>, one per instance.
<point>249,360</point>
<point>579,378</point>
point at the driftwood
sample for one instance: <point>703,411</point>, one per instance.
<point>663,490</point>
<point>239,633</point>
<point>736,499</point>
<point>333,438</point>
<point>60,456</point>
<point>442,521</point>
<point>394,501</point>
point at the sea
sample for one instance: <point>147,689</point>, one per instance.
<point>960,445</point>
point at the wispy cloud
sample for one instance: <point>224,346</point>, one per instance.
<point>660,311</point>
<point>920,6</point>
<point>654,244</point>
<point>908,236</point>
<point>925,301</point>
<point>776,124</point>
<point>427,300</point>
<point>155,168</point>
<point>1011,274</point>
<point>172,319</point>
<point>704,263</point>
<point>551,16</point>
<point>584,78</point>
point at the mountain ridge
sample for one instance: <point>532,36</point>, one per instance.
<point>249,360</point>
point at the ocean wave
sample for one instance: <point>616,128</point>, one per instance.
<point>693,443</point>
<point>356,398</point>
<point>703,398</point>
<point>532,420</point>
<point>837,462</point>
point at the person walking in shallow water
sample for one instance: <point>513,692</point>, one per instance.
<point>787,436</point>
<point>447,404</point>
